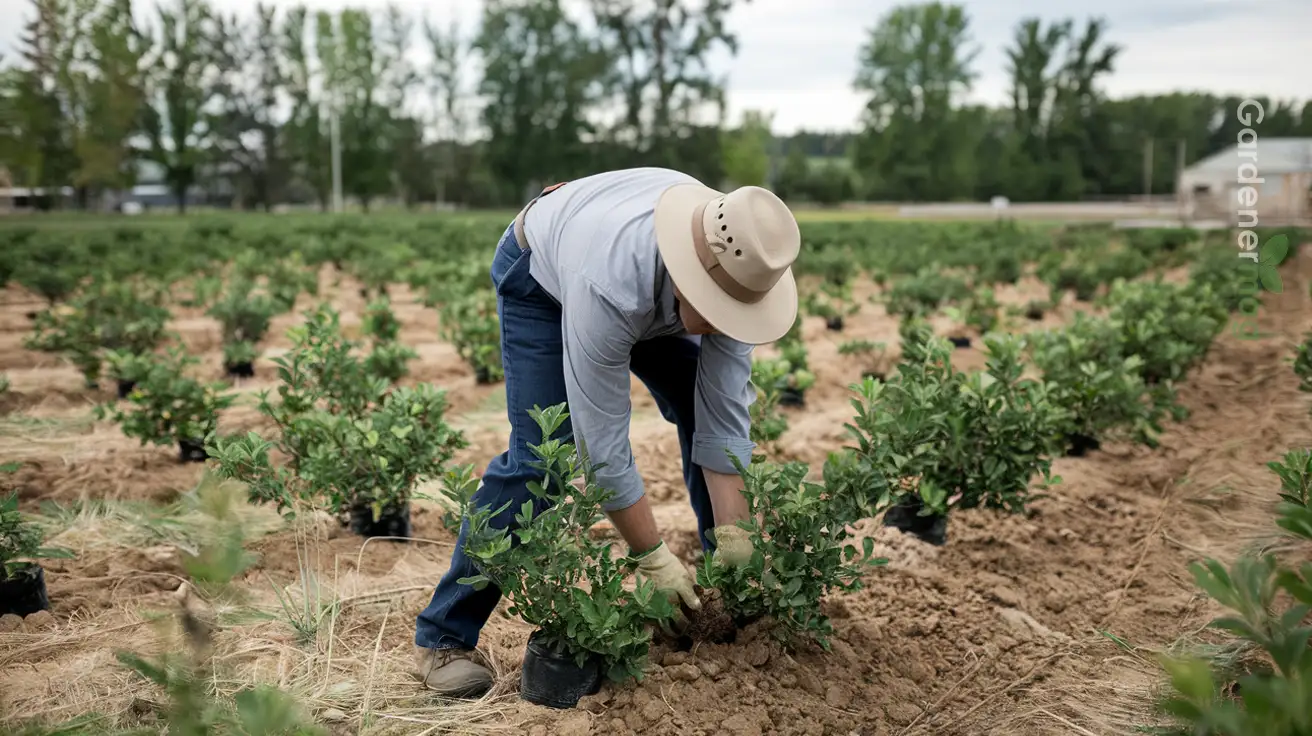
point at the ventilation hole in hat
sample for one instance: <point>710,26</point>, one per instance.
<point>720,216</point>
<point>723,228</point>
<point>730,240</point>
<point>738,252</point>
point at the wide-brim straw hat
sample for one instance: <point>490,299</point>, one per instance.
<point>731,257</point>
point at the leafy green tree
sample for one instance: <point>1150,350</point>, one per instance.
<point>112,98</point>
<point>660,75</point>
<point>248,128</point>
<point>180,86</point>
<point>916,62</point>
<point>541,74</point>
<point>305,132</point>
<point>746,150</point>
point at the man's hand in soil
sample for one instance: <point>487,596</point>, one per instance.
<point>733,546</point>
<point>670,577</point>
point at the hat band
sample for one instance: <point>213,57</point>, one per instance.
<point>721,277</point>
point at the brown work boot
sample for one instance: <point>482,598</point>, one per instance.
<point>453,673</point>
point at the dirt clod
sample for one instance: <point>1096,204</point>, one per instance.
<point>574,724</point>
<point>10,623</point>
<point>683,672</point>
<point>712,623</point>
<point>40,621</point>
<point>838,695</point>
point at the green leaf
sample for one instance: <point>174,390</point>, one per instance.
<point>1273,251</point>
<point>1270,279</point>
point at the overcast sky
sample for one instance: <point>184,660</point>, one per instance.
<point>798,57</point>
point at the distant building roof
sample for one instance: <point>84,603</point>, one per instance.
<point>1274,156</point>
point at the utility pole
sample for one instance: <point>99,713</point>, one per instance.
<point>1179,175</point>
<point>1147,168</point>
<point>337,162</point>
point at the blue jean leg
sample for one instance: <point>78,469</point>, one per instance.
<point>667,366</point>
<point>532,357</point>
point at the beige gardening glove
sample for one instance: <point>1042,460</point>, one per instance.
<point>670,577</point>
<point>733,546</point>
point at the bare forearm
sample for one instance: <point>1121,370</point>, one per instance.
<point>727,499</point>
<point>637,525</point>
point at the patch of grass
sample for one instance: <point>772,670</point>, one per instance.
<point>23,425</point>
<point>183,524</point>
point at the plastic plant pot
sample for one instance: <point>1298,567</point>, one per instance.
<point>125,388</point>
<point>394,521</point>
<point>790,396</point>
<point>24,591</point>
<point>553,679</point>
<point>192,451</point>
<point>245,369</point>
<point>906,518</point>
<point>835,324</point>
<point>960,342</point>
<point>1081,444</point>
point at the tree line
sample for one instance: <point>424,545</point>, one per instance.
<point>243,107</point>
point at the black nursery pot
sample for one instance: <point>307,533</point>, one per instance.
<point>960,342</point>
<point>192,451</point>
<point>125,388</point>
<point>906,518</point>
<point>790,396</point>
<point>24,592</point>
<point>554,680</point>
<point>245,369</point>
<point>482,375</point>
<point>835,324</point>
<point>1034,314</point>
<point>1079,444</point>
<point>877,375</point>
<point>394,521</point>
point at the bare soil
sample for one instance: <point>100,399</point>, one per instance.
<point>1043,624</point>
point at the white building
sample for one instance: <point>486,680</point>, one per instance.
<point>1278,169</point>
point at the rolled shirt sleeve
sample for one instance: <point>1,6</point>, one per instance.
<point>722,404</point>
<point>598,339</point>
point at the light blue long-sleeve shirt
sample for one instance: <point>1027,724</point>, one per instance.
<point>594,251</point>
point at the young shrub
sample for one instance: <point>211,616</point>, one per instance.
<point>288,278</point>
<point>833,302</point>
<point>22,581</point>
<point>1303,363</point>
<point>958,440</point>
<point>981,311</point>
<point>322,370</point>
<point>1268,603</point>
<point>131,316</point>
<point>804,550</point>
<point>557,577</point>
<point>470,323</point>
<point>872,354</point>
<point>103,316</point>
<point>380,265</point>
<point>924,292</point>
<point>1171,327</point>
<point>50,268</point>
<point>353,444</point>
<point>128,369</point>
<point>770,378</point>
<point>388,358</point>
<point>793,351</point>
<point>244,315</point>
<point>168,407</point>
<point>1098,387</point>
<point>69,330</point>
<point>285,279</point>
<point>1002,434</point>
